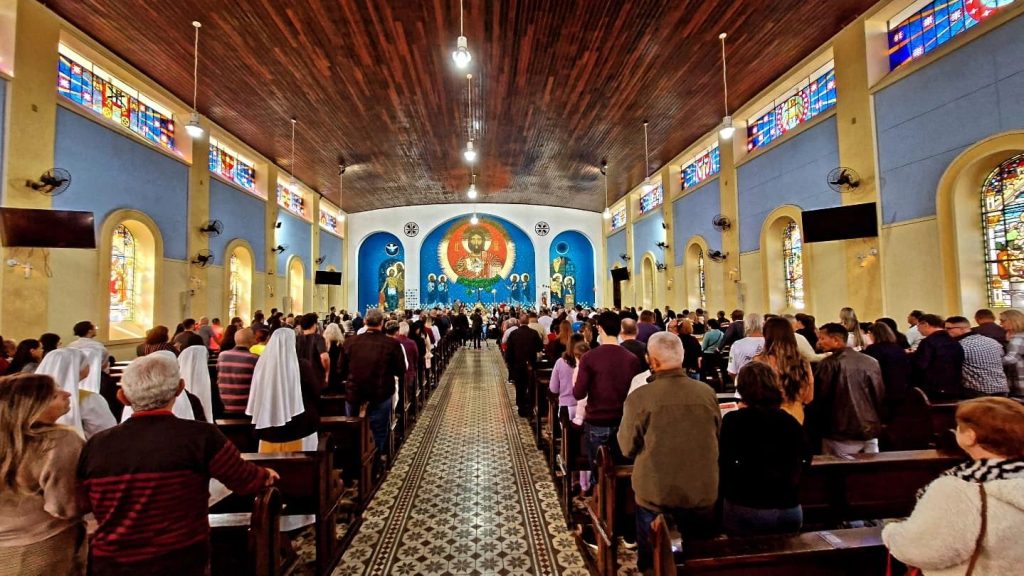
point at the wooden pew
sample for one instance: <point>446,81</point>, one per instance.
<point>256,531</point>
<point>849,552</point>
<point>571,458</point>
<point>552,431</point>
<point>606,509</point>
<point>541,380</point>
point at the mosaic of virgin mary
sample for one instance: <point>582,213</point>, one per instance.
<point>477,255</point>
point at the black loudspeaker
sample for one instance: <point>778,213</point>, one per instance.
<point>620,274</point>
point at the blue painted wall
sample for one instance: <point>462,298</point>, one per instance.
<point>110,171</point>
<point>331,246</point>
<point>294,233</point>
<point>927,119</point>
<point>646,233</point>
<point>522,290</point>
<point>379,251</point>
<point>575,258</point>
<point>615,245</point>
<point>242,215</point>
<point>793,172</point>
<point>691,216</point>
<point>3,117</point>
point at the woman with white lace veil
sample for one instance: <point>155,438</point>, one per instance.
<point>89,411</point>
<point>195,371</point>
<point>283,397</point>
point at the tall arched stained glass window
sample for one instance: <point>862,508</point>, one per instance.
<point>793,260</point>
<point>234,285</point>
<point>701,280</point>
<point>1002,219</point>
<point>123,274</point>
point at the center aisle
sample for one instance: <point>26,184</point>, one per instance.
<point>469,493</point>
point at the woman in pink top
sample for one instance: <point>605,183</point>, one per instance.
<point>561,377</point>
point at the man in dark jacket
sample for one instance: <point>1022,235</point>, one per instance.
<point>848,396</point>
<point>460,324</point>
<point>938,361</point>
<point>372,364</point>
<point>735,331</point>
<point>521,354</point>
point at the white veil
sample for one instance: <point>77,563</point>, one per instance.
<point>276,395</point>
<point>193,364</point>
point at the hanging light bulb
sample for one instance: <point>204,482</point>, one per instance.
<point>193,128</point>
<point>607,213</point>
<point>341,192</point>
<point>727,129</point>
<point>461,55</point>
<point>291,166</point>
<point>472,189</point>
<point>648,184</point>
<point>474,220</point>
<point>470,152</point>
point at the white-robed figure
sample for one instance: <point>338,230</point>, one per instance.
<point>89,412</point>
<point>193,364</point>
<point>96,358</point>
<point>275,397</point>
<point>182,407</point>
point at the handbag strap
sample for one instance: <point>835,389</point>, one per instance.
<point>981,533</point>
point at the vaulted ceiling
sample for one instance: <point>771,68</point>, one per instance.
<point>558,84</point>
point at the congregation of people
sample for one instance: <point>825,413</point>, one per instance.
<point>135,456</point>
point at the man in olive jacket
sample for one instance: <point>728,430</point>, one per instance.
<point>670,426</point>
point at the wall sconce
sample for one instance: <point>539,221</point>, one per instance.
<point>663,245</point>
<point>661,266</point>
<point>25,266</point>
<point>624,256</point>
<point>734,275</point>
<point>664,225</point>
<point>865,258</point>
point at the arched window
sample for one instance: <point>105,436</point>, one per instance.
<point>1002,220</point>
<point>234,285</point>
<point>701,279</point>
<point>123,276</point>
<point>793,260</point>
<point>296,284</point>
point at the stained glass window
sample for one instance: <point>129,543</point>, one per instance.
<point>653,199</point>
<point>934,24</point>
<point>793,260</point>
<point>619,218</point>
<point>122,275</point>
<point>94,89</point>
<point>229,165</point>
<point>234,285</point>
<point>329,219</point>
<point>1002,214</point>
<point>804,101</point>
<point>291,200</point>
<point>701,279</point>
<point>704,166</point>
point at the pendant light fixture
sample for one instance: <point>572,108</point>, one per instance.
<point>607,215</point>
<point>461,56</point>
<point>472,194</point>
<point>470,152</point>
<point>648,185</point>
<point>291,165</point>
<point>727,129</point>
<point>193,128</point>
<point>474,220</point>
<point>341,192</point>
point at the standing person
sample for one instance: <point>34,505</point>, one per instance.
<point>194,367</point>
<point>235,368</point>
<point>793,371</point>
<point>412,352</point>
<point>848,318</point>
<point>335,338</point>
<point>677,479</point>
<point>147,480</point>
<point>216,336</point>
<point>605,374</point>
<point>1012,321</point>
<point>26,357</point>
<point>283,398</point>
<point>895,365</point>
<point>187,337</point>
<point>901,338</point>
<point>86,333</point>
<point>312,347</point>
<point>970,518</point>
<point>372,363</point>
<point>258,322</point>
<point>50,342</point>
<point>914,335</point>
<point>227,340</point>
<point>205,331</point>
<point>89,412</point>
<point>157,338</point>
<point>41,528</point>
<point>743,350</point>
<point>646,327</point>
<point>848,396</point>
<point>987,326</point>
<point>627,333</point>
<point>735,330</point>
<point>983,360</point>
<point>762,454</point>
<point>561,377</point>
<point>524,344</point>
<point>938,361</point>
<point>476,327</point>
<point>806,328</point>
<point>555,348</point>
<point>691,348</point>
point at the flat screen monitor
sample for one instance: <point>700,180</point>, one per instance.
<point>32,228</point>
<point>842,223</point>
<point>619,274</point>
<point>327,277</point>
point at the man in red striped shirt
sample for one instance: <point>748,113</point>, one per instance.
<point>234,373</point>
<point>147,480</point>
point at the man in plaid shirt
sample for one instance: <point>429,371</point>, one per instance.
<point>983,360</point>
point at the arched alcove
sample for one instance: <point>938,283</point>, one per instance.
<point>648,277</point>
<point>571,265</point>
<point>959,204</point>
<point>238,279</point>
<point>695,264</point>
<point>296,285</point>
<point>784,261</point>
<point>381,272</point>
<point>131,254</point>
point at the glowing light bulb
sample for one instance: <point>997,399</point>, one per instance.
<point>607,214</point>
<point>193,128</point>
<point>461,55</point>
<point>727,129</point>
<point>472,192</point>
<point>474,220</point>
<point>470,153</point>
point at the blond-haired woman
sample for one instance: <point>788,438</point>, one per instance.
<point>848,318</point>
<point>41,531</point>
<point>1012,321</point>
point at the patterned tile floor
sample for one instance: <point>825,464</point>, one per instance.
<point>469,492</point>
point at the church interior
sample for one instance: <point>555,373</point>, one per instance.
<point>465,175</point>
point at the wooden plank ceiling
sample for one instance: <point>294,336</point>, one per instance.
<point>559,84</point>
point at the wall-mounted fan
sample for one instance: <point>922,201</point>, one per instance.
<point>721,222</point>
<point>717,255</point>
<point>661,266</point>
<point>212,228</point>
<point>843,179</point>
<point>53,182</point>
<point>203,259</point>
<point>279,249</point>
